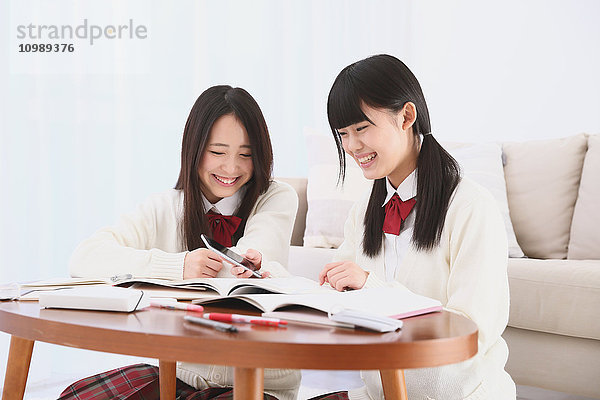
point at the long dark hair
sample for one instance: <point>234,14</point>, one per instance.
<point>212,104</point>
<point>384,82</point>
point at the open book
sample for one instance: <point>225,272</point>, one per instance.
<point>272,295</point>
<point>188,289</point>
<point>394,302</point>
<point>216,288</point>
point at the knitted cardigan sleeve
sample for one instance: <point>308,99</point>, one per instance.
<point>143,243</point>
<point>147,241</point>
<point>478,281</point>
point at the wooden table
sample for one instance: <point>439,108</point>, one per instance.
<point>425,341</point>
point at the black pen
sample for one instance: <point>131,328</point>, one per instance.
<point>220,326</point>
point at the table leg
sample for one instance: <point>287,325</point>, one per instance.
<point>394,386</point>
<point>17,368</point>
<point>167,379</point>
<point>248,383</point>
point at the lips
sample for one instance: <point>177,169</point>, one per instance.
<point>366,160</point>
<point>225,181</point>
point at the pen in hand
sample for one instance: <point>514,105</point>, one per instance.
<point>220,326</point>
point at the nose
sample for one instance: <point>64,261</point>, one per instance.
<point>353,143</point>
<point>230,165</point>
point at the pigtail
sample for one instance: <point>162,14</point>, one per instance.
<point>438,174</point>
<point>374,216</point>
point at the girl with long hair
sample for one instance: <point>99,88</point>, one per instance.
<point>225,191</point>
<point>423,226</point>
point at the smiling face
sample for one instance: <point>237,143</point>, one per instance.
<point>226,163</point>
<point>385,147</point>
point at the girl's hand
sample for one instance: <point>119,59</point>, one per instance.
<point>343,275</point>
<point>201,263</point>
<point>255,258</point>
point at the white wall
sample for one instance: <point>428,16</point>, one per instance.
<point>509,70</point>
<point>86,137</point>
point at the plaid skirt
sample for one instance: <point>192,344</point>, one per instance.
<point>138,382</point>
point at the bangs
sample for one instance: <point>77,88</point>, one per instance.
<point>344,103</point>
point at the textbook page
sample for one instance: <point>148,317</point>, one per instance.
<point>188,289</point>
<point>394,302</point>
<point>221,287</point>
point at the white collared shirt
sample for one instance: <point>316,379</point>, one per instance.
<point>225,206</point>
<point>395,247</point>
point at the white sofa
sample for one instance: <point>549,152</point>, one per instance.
<point>553,196</point>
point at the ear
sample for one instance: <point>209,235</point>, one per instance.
<point>408,115</point>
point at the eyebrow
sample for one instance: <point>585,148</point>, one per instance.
<point>226,145</point>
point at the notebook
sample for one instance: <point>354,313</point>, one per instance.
<point>393,302</point>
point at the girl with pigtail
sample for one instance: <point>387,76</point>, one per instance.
<point>423,226</point>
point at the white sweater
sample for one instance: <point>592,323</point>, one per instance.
<point>149,243</point>
<point>467,272</point>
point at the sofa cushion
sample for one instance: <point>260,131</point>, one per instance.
<point>585,229</point>
<point>555,296</point>
<point>328,205</point>
<point>482,162</point>
<point>542,179</point>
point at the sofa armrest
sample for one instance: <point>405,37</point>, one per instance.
<point>299,185</point>
<point>308,261</point>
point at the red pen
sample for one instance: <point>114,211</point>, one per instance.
<point>248,319</point>
<point>173,305</point>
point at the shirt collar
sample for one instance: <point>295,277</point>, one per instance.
<point>406,190</point>
<point>227,205</point>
